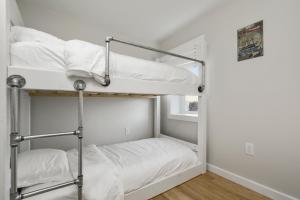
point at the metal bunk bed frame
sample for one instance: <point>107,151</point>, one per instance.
<point>16,82</point>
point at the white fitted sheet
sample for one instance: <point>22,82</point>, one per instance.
<point>35,55</point>
<point>139,163</point>
<point>145,161</point>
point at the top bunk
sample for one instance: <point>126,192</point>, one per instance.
<point>49,64</point>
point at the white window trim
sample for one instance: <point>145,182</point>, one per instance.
<point>183,117</point>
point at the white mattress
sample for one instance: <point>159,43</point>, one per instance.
<point>139,162</point>
<point>40,56</point>
<point>144,161</point>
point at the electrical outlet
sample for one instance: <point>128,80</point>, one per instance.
<point>127,131</point>
<point>249,149</point>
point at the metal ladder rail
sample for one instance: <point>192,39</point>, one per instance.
<point>16,82</point>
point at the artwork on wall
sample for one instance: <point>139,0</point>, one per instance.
<point>250,41</point>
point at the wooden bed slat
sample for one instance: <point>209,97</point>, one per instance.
<point>86,94</point>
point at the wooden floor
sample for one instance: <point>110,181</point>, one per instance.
<point>210,187</point>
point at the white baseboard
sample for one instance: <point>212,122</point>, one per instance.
<point>257,187</point>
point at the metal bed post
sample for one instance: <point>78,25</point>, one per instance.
<point>15,82</point>
<point>80,85</point>
<point>106,81</point>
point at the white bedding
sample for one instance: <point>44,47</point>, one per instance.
<point>83,59</point>
<point>136,164</point>
<point>101,178</point>
<point>144,161</point>
<point>101,181</point>
<point>37,55</point>
<point>128,67</point>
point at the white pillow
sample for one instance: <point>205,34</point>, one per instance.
<point>81,57</point>
<point>37,55</point>
<point>23,34</point>
<point>42,166</point>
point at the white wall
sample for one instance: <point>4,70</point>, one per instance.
<point>4,142</point>
<point>185,130</point>
<point>255,100</point>
<point>105,120</point>
<point>71,27</point>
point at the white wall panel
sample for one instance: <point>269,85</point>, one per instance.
<point>105,120</point>
<point>255,100</point>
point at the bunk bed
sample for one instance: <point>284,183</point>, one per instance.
<point>39,81</point>
<point>42,63</point>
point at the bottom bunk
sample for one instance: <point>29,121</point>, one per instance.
<point>133,170</point>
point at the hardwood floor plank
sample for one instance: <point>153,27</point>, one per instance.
<point>210,187</point>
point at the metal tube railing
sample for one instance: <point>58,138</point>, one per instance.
<point>16,82</point>
<point>156,50</point>
<point>107,59</point>
<point>47,189</point>
<point>32,137</point>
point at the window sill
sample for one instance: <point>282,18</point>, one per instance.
<point>184,117</point>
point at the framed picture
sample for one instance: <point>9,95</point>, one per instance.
<point>250,41</point>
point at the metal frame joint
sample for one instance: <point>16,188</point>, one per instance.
<point>79,132</point>
<point>79,181</point>
<point>16,81</point>
<point>201,88</point>
<point>79,85</point>
<point>106,80</point>
<point>15,196</point>
<point>15,139</point>
<point>109,39</point>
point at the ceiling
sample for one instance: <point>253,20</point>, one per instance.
<point>151,19</point>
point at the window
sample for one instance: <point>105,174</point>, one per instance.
<point>190,104</point>
<point>185,107</point>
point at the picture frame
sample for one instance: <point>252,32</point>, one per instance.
<point>250,41</point>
